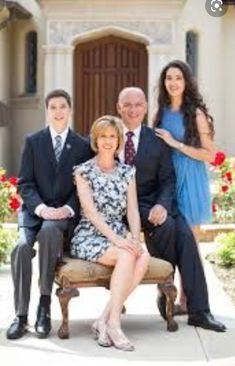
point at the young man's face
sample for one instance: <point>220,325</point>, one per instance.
<point>58,113</point>
<point>132,107</point>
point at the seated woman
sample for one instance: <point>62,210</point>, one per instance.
<point>107,192</point>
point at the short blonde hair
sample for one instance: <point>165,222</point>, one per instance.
<point>100,125</point>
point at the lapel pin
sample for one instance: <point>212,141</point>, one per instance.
<point>68,146</point>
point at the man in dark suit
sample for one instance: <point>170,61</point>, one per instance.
<point>167,234</point>
<point>50,208</point>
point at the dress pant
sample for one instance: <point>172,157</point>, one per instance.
<point>161,241</point>
<point>175,242</point>
<point>50,239</point>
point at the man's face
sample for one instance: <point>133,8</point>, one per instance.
<point>58,113</point>
<point>132,107</point>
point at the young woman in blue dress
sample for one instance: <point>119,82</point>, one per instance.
<point>183,122</point>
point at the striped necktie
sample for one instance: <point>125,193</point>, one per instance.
<point>58,147</point>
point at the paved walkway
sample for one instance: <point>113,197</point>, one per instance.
<point>142,323</point>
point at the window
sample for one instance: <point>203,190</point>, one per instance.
<point>31,63</point>
<point>228,2</point>
<point>192,51</point>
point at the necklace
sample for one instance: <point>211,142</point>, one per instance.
<point>105,169</point>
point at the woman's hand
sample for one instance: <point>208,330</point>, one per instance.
<point>138,246</point>
<point>133,246</point>
<point>136,242</point>
<point>167,137</point>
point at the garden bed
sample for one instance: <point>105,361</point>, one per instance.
<point>207,233</point>
<point>225,274</point>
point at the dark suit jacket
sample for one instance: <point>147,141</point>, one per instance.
<point>154,175</point>
<point>43,180</point>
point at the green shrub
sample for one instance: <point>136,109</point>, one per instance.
<point>226,251</point>
<point>7,241</point>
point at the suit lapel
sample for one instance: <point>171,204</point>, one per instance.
<point>47,146</point>
<point>67,149</point>
<point>142,147</point>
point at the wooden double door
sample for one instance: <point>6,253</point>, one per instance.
<point>102,68</point>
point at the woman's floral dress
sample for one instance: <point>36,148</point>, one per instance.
<point>110,199</point>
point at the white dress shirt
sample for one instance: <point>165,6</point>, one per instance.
<point>135,139</point>
<point>62,134</point>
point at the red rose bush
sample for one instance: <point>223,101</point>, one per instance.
<point>9,198</point>
<point>223,195</point>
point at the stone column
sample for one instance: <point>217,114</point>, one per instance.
<point>158,57</point>
<point>58,68</point>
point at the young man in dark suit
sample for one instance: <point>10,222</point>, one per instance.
<point>50,208</point>
<point>167,234</point>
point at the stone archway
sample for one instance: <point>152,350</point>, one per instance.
<point>102,67</point>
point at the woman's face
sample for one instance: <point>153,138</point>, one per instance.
<point>107,141</point>
<point>174,82</point>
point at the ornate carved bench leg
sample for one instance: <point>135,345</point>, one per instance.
<point>65,295</point>
<point>170,293</point>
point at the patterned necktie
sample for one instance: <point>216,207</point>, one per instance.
<point>58,147</point>
<point>129,149</point>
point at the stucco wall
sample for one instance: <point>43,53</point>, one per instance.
<point>227,56</point>
<point>5,158</point>
<point>27,110</point>
<point>212,82</point>
<point>61,24</point>
<point>24,114</point>
<point>5,151</point>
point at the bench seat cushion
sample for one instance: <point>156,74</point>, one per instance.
<point>79,271</point>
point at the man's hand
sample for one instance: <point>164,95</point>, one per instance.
<point>48,213</point>
<point>157,215</point>
<point>51,213</point>
<point>63,213</point>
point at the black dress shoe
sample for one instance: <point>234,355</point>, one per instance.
<point>161,303</point>
<point>43,322</point>
<point>18,328</point>
<point>205,319</point>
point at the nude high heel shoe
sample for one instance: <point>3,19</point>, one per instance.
<point>94,329</point>
<point>99,329</point>
<point>118,339</point>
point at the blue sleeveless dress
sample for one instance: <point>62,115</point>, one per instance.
<point>192,182</point>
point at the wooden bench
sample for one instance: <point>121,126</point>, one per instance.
<point>73,274</point>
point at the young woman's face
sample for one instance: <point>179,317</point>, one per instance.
<point>107,140</point>
<point>174,82</point>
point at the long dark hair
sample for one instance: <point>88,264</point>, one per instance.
<point>190,102</point>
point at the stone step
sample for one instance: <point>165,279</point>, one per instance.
<point>209,232</point>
